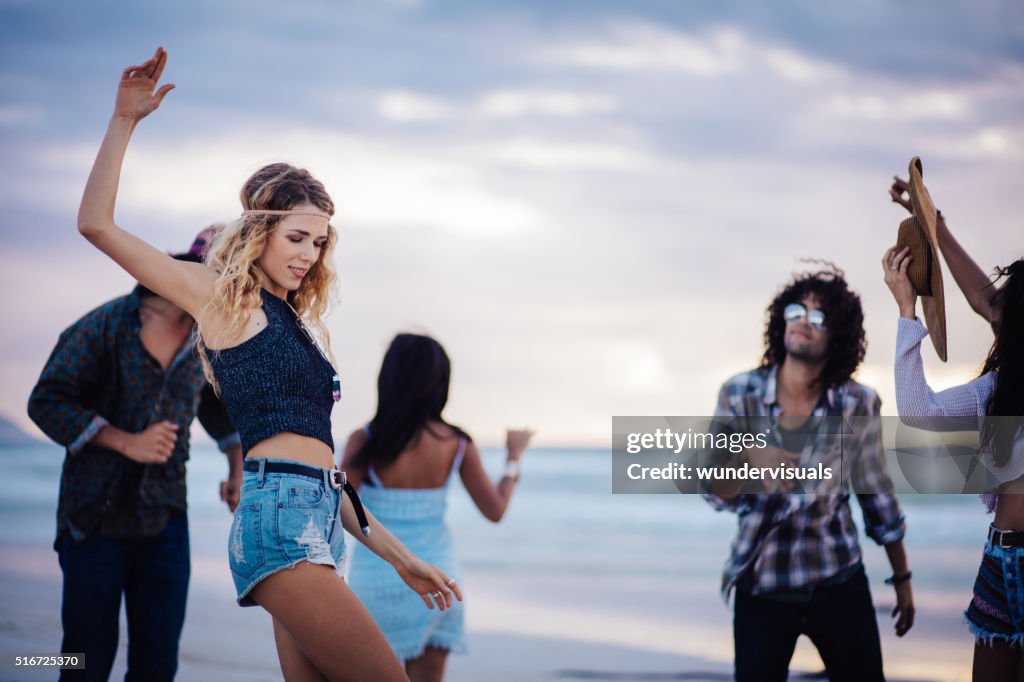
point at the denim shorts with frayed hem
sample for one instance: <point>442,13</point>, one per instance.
<point>996,611</point>
<point>281,521</point>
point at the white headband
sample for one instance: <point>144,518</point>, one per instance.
<point>318,214</point>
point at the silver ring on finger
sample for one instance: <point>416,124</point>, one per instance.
<point>450,583</point>
<point>438,594</point>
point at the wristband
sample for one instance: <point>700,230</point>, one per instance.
<point>897,579</point>
<point>512,469</point>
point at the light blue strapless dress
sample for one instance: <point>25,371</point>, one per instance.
<point>417,518</point>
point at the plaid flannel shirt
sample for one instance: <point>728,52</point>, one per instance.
<point>790,542</point>
<point>100,373</point>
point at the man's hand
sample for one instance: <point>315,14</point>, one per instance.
<point>153,445</point>
<point>231,492</point>
<point>231,489</point>
<point>772,457</point>
<point>904,609</point>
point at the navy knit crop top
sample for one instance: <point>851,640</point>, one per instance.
<point>277,381</point>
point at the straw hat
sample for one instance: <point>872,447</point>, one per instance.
<point>920,233</point>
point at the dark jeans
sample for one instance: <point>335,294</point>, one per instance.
<point>153,575</point>
<point>839,619</point>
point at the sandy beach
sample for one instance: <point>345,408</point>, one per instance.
<point>511,639</point>
<point>575,584</point>
<point>224,642</point>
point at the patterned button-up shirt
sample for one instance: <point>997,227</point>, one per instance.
<point>791,542</point>
<point>100,373</point>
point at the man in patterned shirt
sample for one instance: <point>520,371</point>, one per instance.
<point>120,391</point>
<point>795,563</point>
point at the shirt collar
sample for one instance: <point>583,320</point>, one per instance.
<point>771,386</point>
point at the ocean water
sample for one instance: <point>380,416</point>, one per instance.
<point>572,559</point>
<point>563,518</point>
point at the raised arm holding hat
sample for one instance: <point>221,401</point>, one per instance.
<point>993,403</point>
<point>971,279</point>
<point>919,235</point>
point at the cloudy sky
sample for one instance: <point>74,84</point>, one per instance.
<point>588,203</point>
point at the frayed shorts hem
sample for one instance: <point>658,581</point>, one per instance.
<point>988,638</point>
<point>451,645</point>
<point>282,520</point>
<point>245,600</point>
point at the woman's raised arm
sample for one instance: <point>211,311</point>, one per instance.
<point>186,284</point>
<point>976,287</point>
<point>492,499</point>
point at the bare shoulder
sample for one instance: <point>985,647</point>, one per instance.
<point>440,431</point>
<point>356,439</point>
<point>221,331</point>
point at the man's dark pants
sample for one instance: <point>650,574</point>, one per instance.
<point>152,573</point>
<point>839,620</point>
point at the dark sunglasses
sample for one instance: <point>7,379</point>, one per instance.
<point>794,312</point>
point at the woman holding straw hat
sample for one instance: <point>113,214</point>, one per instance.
<point>993,404</point>
<point>266,280</point>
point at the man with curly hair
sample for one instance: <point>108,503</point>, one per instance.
<point>795,564</point>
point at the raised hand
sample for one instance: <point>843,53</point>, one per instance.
<point>516,441</point>
<point>897,190</point>
<point>136,98</point>
<point>894,265</point>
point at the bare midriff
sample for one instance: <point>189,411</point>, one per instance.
<point>1010,508</point>
<point>295,448</point>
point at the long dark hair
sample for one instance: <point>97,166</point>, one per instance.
<point>1006,358</point>
<point>844,320</point>
<point>412,390</point>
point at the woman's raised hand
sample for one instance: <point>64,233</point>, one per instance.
<point>894,265</point>
<point>135,96</point>
<point>516,441</point>
<point>897,190</point>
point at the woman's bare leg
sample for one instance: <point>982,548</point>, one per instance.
<point>328,624</point>
<point>429,667</point>
<point>294,665</point>
<point>996,662</point>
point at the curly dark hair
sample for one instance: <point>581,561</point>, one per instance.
<point>1006,357</point>
<point>844,320</point>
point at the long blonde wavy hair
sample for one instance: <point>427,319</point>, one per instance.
<point>237,247</point>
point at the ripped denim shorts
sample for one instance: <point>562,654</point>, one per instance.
<point>283,519</point>
<point>996,611</point>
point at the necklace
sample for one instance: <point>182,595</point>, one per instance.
<point>335,380</point>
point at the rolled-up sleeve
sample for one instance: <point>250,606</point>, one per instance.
<point>737,505</point>
<point>59,402</point>
<point>724,412</point>
<point>883,519</point>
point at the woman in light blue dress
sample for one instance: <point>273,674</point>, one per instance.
<point>402,463</point>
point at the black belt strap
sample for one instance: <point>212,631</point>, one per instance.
<point>338,481</point>
<point>1005,538</point>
